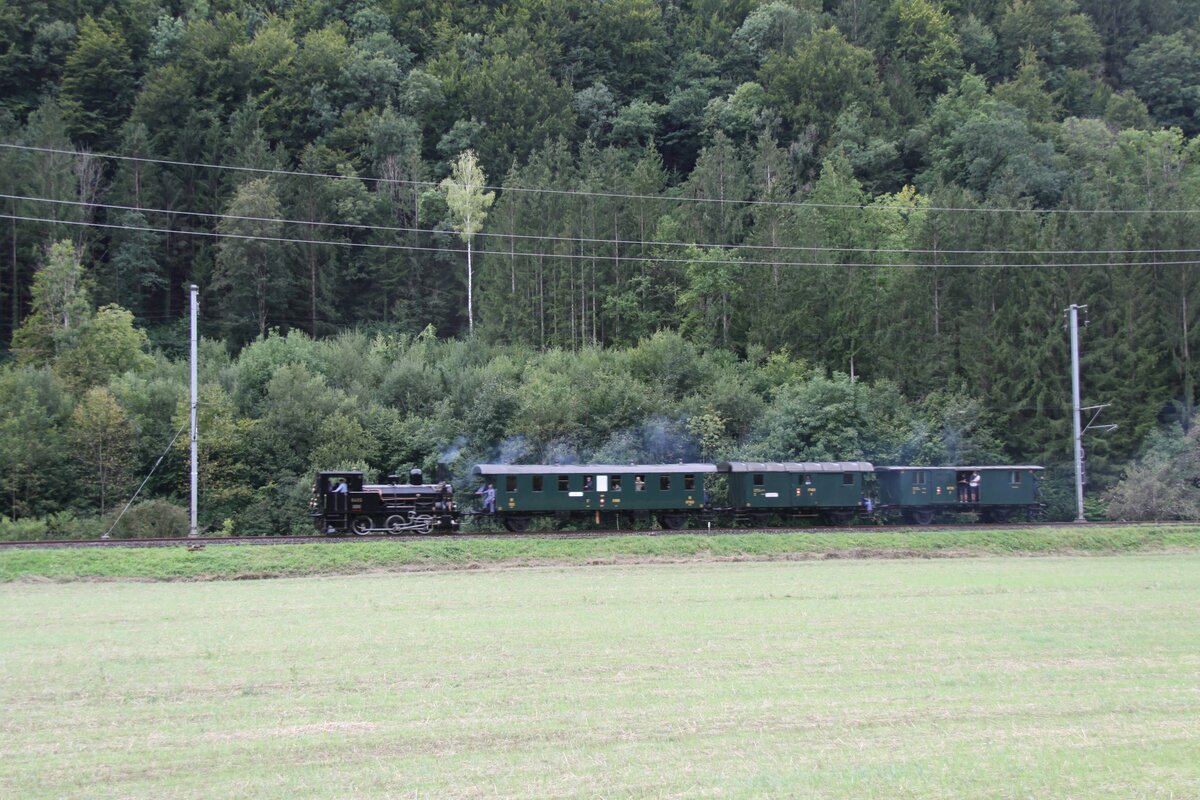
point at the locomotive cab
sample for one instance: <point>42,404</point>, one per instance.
<point>331,498</point>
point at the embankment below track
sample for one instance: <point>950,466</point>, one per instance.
<point>216,561</point>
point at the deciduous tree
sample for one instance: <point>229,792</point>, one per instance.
<point>469,204</point>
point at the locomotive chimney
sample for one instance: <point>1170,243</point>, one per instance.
<point>415,477</point>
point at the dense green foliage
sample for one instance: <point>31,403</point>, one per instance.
<point>884,189</point>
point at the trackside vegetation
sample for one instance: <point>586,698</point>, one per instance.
<point>233,562</point>
<point>924,679</point>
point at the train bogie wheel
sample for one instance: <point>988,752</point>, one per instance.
<point>1000,515</point>
<point>362,525</point>
<point>923,516</point>
<point>516,524</point>
<point>837,518</point>
<point>671,522</point>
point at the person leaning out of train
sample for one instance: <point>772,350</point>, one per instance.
<point>974,484</point>
<point>488,491</point>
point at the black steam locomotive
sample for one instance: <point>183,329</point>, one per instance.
<point>342,503</point>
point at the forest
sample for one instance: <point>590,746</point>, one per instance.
<point>590,230</point>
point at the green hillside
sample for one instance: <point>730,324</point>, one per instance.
<point>772,229</point>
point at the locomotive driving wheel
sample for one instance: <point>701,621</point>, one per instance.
<point>395,523</point>
<point>362,525</point>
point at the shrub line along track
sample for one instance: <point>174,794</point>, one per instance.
<point>314,539</point>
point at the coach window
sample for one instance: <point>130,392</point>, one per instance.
<point>564,483</point>
<point>664,482</point>
<point>689,481</point>
<point>510,483</point>
<point>758,479</point>
<point>847,479</point>
<point>615,482</point>
<point>1016,478</point>
<point>639,483</point>
<point>920,477</point>
<point>804,479</point>
<point>538,482</point>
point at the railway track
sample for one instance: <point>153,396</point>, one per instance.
<point>204,541</point>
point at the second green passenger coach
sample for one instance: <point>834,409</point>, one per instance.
<point>671,492</point>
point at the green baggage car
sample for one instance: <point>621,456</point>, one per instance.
<point>994,493</point>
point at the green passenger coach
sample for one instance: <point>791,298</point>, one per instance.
<point>994,493</point>
<point>670,492</point>
<point>833,490</point>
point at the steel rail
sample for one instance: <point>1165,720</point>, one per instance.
<point>201,542</point>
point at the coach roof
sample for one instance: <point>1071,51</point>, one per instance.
<point>590,469</point>
<point>987,468</point>
<point>795,466</point>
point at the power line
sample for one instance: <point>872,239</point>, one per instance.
<point>609,195</point>
<point>603,241</point>
<point>595,257</point>
<point>220,235</point>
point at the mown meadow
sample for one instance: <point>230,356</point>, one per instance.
<point>920,678</point>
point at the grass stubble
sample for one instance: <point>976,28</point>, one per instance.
<point>927,678</point>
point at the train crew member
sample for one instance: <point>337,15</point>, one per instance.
<point>974,484</point>
<point>489,497</point>
<point>339,487</point>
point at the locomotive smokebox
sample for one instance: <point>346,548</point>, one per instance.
<point>415,477</point>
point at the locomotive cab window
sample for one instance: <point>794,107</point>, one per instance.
<point>689,481</point>
<point>758,479</point>
<point>847,479</point>
<point>564,482</point>
<point>539,482</point>
<point>664,482</point>
<point>510,483</point>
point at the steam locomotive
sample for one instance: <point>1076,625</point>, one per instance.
<point>343,503</point>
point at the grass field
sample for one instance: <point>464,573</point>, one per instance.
<point>984,677</point>
<point>333,556</point>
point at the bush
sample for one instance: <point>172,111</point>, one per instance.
<point>22,530</point>
<point>150,519</point>
<point>62,525</point>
